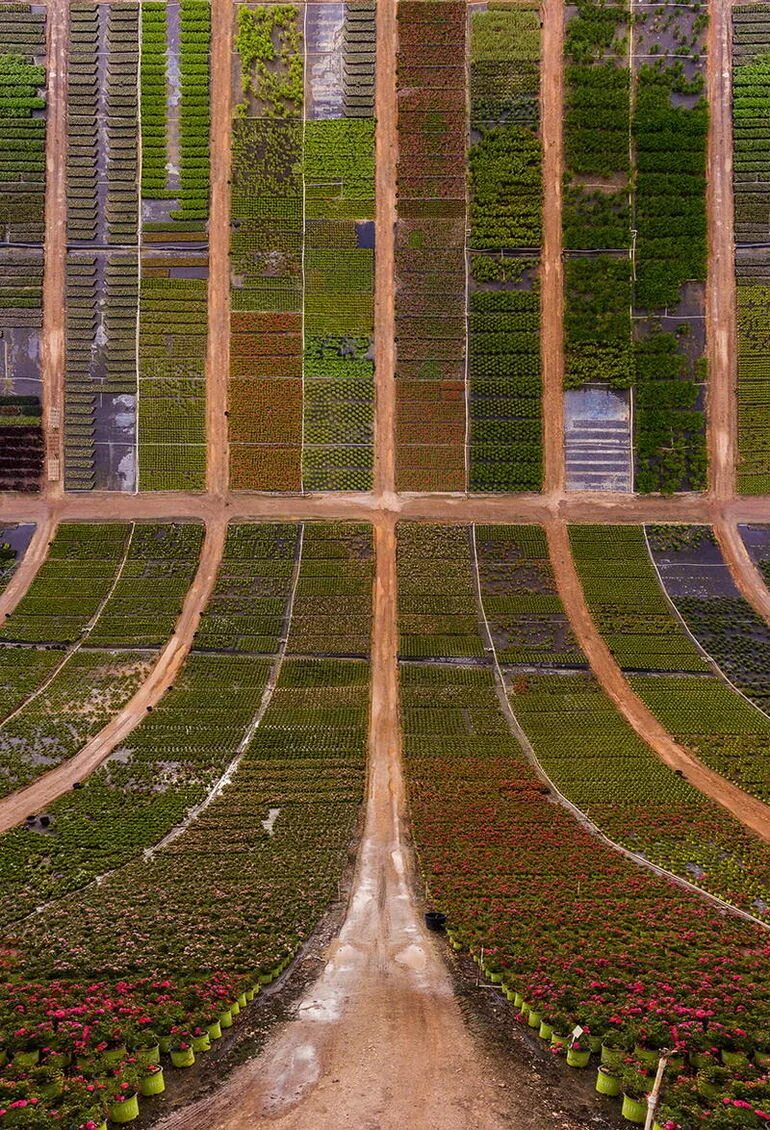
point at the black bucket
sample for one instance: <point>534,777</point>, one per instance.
<point>435,920</point>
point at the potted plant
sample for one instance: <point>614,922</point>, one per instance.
<point>182,1054</point>
<point>635,1087</point>
<point>151,1081</point>
<point>578,1054</point>
<point>608,1080</point>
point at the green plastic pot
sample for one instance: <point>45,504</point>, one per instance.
<point>214,1031</point>
<point>126,1111</point>
<point>26,1059</point>
<point>154,1084</point>
<point>558,1038</point>
<point>226,1019</point>
<point>595,1044</point>
<point>147,1056</point>
<point>648,1056</point>
<point>249,995</point>
<point>535,1018</point>
<point>164,1043</point>
<point>699,1059</point>
<point>201,1043</point>
<point>242,1002</point>
<point>115,1056</point>
<point>607,1084</point>
<point>265,978</point>
<point>611,1056</point>
<point>495,978</point>
<point>762,1059</point>
<point>634,1110</point>
<point>734,1059</point>
<point>235,1008</point>
<point>510,994</point>
<point>578,1059</point>
<point>185,1057</point>
<point>55,1059</point>
<point>708,1090</point>
<point>546,1031</point>
<point>53,1089</point>
<point>518,1000</point>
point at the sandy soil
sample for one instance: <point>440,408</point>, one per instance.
<point>218,350</point>
<point>26,570</point>
<point>720,292</point>
<point>37,796</point>
<point>53,352</point>
<point>552,271</point>
<point>379,1040</point>
<point>751,812</point>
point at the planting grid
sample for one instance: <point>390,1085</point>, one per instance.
<point>253,874</point>
<point>751,187</point>
<point>505,233</point>
<point>85,636</point>
<point>494,849</point>
<point>636,246</point>
<point>137,185</point>
<point>689,696</point>
<point>301,383</point>
<point>22,176</point>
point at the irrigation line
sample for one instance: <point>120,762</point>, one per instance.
<point>225,778</point>
<point>72,652</point>
<point>717,670</point>
<point>578,813</point>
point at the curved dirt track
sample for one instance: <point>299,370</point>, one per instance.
<point>28,567</point>
<point>747,577</point>
<point>37,796</point>
<point>747,809</point>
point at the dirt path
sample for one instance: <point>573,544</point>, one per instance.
<point>720,290</point>
<point>218,349</point>
<point>55,255</point>
<point>749,811</point>
<point>574,507</point>
<point>379,1040</point>
<point>37,796</point>
<point>26,571</point>
<point>386,112</point>
<point>552,271</point>
<point>746,576</point>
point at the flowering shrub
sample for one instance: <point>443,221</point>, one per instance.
<point>517,876</point>
<point>226,904</point>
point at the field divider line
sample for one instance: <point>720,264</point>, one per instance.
<point>272,681</point>
<point>223,780</point>
<point>578,813</point>
<point>58,780</point>
<point>717,670</point>
<point>29,566</point>
<point>751,812</point>
<point>72,651</point>
<point>139,234</point>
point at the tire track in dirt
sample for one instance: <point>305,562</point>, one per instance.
<point>720,286</point>
<point>552,269</point>
<point>37,796</point>
<point>745,574</point>
<point>218,347</point>
<point>752,813</point>
<point>55,247</point>
<point>386,148</point>
<point>28,567</point>
<point>349,1055</point>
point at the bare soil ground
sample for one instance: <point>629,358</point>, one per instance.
<point>53,353</point>
<point>218,349</point>
<point>751,812</point>
<point>37,796</point>
<point>720,294</point>
<point>552,271</point>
